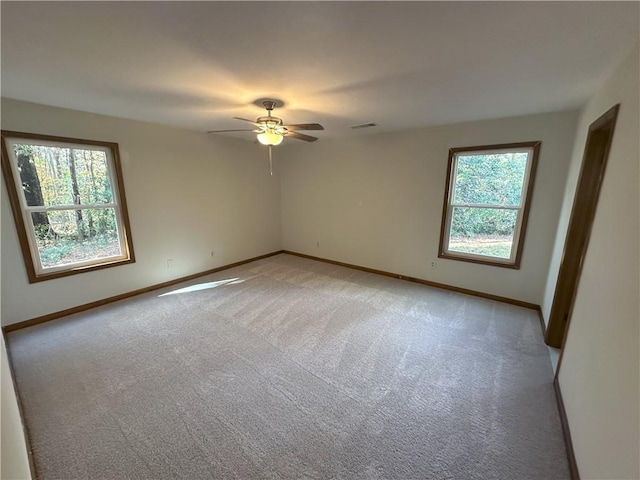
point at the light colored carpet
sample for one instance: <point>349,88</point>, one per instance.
<point>291,368</point>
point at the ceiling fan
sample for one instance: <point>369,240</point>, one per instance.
<point>271,130</point>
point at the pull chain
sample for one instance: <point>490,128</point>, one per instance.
<point>270,161</point>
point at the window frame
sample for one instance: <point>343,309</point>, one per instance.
<point>22,212</point>
<point>523,209</point>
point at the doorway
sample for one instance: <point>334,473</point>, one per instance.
<point>594,163</point>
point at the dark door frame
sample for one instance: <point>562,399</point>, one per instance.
<point>585,202</point>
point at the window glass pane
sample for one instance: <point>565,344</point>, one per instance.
<point>71,236</point>
<point>483,231</point>
<point>490,179</point>
<point>53,176</point>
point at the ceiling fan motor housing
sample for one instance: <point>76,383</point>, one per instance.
<point>271,121</point>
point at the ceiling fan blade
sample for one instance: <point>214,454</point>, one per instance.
<point>301,136</point>
<point>305,126</point>
<point>222,131</point>
<point>247,120</point>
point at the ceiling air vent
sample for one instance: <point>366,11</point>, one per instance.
<point>363,125</point>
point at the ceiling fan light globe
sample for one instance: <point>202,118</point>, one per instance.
<point>270,138</point>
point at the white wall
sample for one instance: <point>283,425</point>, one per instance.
<point>14,463</point>
<point>600,368</point>
<point>376,201</point>
<point>188,193</point>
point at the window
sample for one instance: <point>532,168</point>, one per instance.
<point>487,199</point>
<point>68,203</point>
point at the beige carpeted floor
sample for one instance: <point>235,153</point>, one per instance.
<point>291,368</point>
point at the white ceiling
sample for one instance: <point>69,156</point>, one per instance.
<point>399,64</point>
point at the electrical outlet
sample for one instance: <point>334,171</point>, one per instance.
<point>318,244</point>
<point>433,264</point>
<point>213,253</point>
<point>169,262</point>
